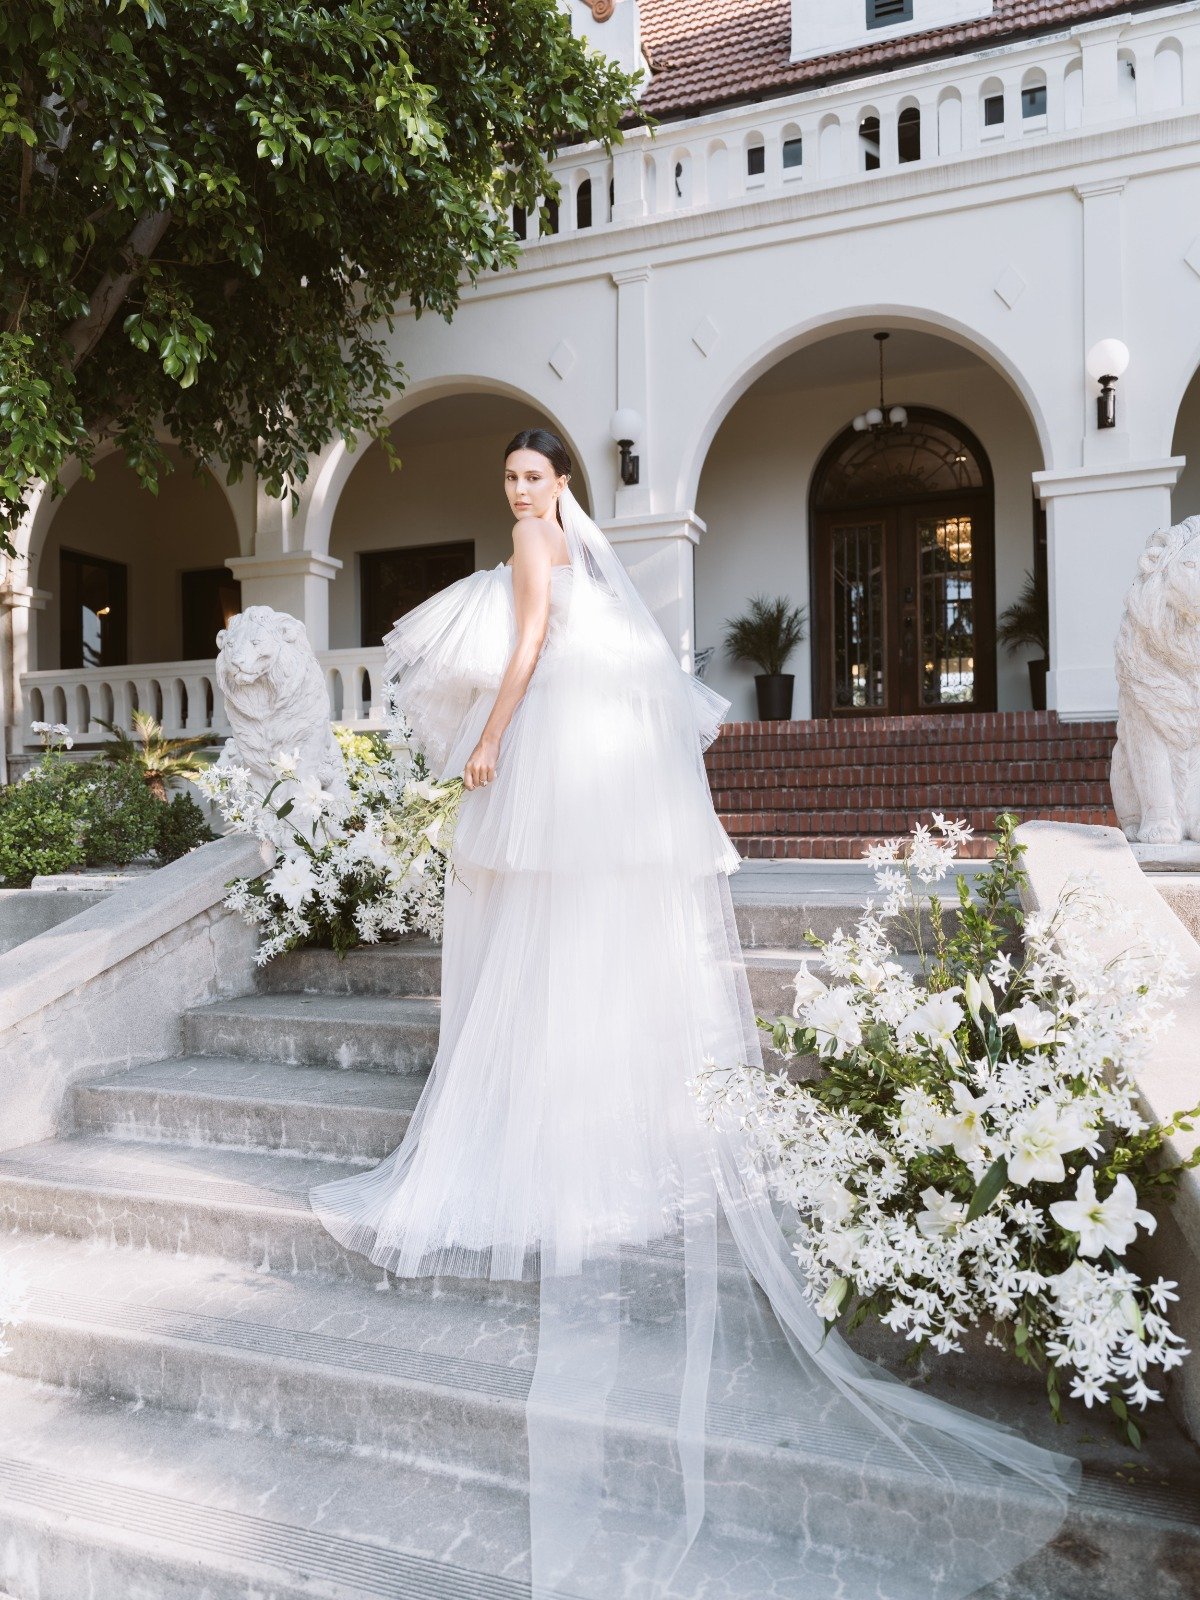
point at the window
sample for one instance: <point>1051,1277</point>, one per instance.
<point>1033,101</point>
<point>583,205</point>
<point>551,209</point>
<point>868,139</point>
<point>520,222</point>
<point>93,629</point>
<point>880,13</point>
<point>993,110</point>
<point>756,159</point>
<point>210,596</point>
<point>392,582</point>
<point>793,152</point>
<point>908,134</point>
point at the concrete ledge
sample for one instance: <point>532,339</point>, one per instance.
<point>1054,852</point>
<point>105,990</point>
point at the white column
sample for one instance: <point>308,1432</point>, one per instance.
<point>1101,94</point>
<point>21,604</point>
<point>1097,521</point>
<point>633,379</point>
<point>658,552</point>
<point>1103,310</point>
<point>297,583</point>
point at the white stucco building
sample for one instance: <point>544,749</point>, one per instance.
<point>998,187</point>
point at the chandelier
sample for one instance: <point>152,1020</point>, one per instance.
<point>873,420</point>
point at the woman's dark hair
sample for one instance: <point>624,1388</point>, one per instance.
<point>546,444</point>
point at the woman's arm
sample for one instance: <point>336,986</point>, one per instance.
<point>531,597</point>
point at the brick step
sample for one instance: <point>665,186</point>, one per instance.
<point>926,752</point>
<point>843,847</point>
<point>878,823</point>
<point>803,774</point>
<point>999,727</point>
<point>899,796</point>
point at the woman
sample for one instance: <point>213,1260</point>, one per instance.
<point>590,964</point>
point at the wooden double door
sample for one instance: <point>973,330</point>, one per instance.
<point>904,614</point>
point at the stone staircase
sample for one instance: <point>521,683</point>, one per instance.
<point>208,1399</point>
<point>825,788</point>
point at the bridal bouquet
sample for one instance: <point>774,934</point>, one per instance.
<point>972,1152</point>
<point>350,869</point>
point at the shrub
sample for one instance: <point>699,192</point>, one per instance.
<point>181,827</point>
<point>38,833</point>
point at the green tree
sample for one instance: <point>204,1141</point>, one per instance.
<point>211,208</point>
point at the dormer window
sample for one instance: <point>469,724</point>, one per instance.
<point>880,13</point>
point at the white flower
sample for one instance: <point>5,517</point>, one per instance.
<point>941,1213</point>
<point>835,1201</point>
<point>935,1022</point>
<point>842,1249</point>
<point>423,789</point>
<point>1102,1224</point>
<point>833,1019</point>
<point>284,763</point>
<point>310,800</point>
<point>1000,970</point>
<point>292,881</point>
<point>432,831</point>
<point>1034,1026</point>
<point>1040,1138</point>
<point>830,1302</point>
<point>808,988</point>
<point>39,727</point>
<point>978,995</point>
<point>963,1128</point>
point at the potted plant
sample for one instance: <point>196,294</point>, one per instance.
<point>766,636</point>
<point>1027,621</point>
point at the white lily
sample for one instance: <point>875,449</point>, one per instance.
<point>830,1302</point>
<point>285,762</point>
<point>941,1214</point>
<point>292,881</point>
<point>934,1021</point>
<point>1034,1026</point>
<point>963,1127</point>
<point>835,1201</point>
<point>1041,1136</point>
<point>977,992</point>
<point>1110,1224</point>
<point>808,988</point>
<point>833,1018</point>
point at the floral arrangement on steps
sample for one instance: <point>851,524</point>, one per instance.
<point>973,1154</point>
<point>355,870</point>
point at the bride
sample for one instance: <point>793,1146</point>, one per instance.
<point>693,1429</point>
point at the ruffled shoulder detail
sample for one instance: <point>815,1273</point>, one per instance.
<point>442,653</point>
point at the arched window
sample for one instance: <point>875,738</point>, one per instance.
<point>908,134</point>
<point>1168,76</point>
<point>868,141</point>
<point>583,204</point>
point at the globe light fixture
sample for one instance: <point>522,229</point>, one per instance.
<point>626,426</point>
<point>1106,362</point>
<point>872,420</point>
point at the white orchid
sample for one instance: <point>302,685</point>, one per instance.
<point>1039,1139</point>
<point>1034,1027</point>
<point>835,1023</point>
<point>1110,1224</point>
<point>964,1126</point>
<point>941,1215</point>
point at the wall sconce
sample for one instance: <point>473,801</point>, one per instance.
<point>626,429</point>
<point>1106,361</point>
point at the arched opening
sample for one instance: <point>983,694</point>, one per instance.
<point>583,204</point>
<point>868,141</point>
<point>1168,76</point>
<point>403,535</point>
<point>903,571</point>
<point>908,134</point>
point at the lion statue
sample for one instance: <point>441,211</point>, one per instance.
<point>277,703</point>
<point>1156,762</point>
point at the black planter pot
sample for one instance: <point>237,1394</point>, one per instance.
<point>1037,684</point>
<point>774,695</point>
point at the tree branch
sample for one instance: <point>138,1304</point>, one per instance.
<point>85,333</point>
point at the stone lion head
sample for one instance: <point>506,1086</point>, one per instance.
<point>260,643</point>
<point>1169,572</point>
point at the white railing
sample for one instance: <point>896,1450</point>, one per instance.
<point>183,695</point>
<point>1093,76</point>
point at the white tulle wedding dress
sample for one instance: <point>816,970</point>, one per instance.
<point>693,1434</point>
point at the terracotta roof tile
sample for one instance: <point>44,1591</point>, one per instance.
<point>706,53</point>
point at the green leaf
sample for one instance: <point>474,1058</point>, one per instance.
<point>990,1185</point>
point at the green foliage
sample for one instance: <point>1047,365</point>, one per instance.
<point>181,827</point>
<point>159,760</point>
<point>1027,620</point>
<point>119,814</point>
<point>68,814</point>
<point>37,833</point>
<point>767,634</point>
<point>211,210</point>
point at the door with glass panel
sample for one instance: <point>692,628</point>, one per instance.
<point>903,580</point>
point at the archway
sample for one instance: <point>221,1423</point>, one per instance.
<point>903,571</point>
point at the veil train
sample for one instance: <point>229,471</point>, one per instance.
<point>693,1431</point>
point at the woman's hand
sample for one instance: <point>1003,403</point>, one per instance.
<point>481,767</point>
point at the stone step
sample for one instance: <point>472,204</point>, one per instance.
<point>318,1030</point>
<point>122,1501</point>
<point>254,1105</point>
<point>395,967</point>
<point>432,1383</point>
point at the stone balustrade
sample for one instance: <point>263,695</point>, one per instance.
<point>1110,72</point>
<point>183,695</point>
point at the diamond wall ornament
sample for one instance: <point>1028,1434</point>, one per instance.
<point>562,359</point>
<point>705,336</point>
<point>1010,286</point>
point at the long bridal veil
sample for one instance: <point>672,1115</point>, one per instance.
<point>693,1432</point>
